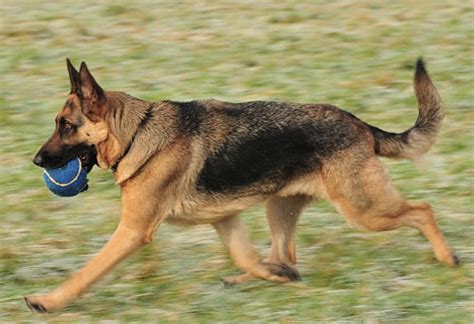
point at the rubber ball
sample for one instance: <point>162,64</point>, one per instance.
<point>68,180</point>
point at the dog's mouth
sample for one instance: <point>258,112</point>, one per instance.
<point>86,153</point>
<point>88,158</point>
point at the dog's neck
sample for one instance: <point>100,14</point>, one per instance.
<point>133,123</point>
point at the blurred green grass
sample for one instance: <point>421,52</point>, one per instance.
<point>358,55</point>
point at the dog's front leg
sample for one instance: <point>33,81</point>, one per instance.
<point>122,243</point>
<point>136,228</point>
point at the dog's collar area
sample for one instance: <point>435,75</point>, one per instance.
<point>143,121</point>
<point>115,166</point>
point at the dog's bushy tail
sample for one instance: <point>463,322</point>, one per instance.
<point>418,139</point>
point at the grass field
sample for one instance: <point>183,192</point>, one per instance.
<point>358,55</point>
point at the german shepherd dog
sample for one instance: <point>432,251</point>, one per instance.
<point>204,162</point>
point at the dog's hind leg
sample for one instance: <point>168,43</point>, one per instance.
<point>282,215</point>
<point>235,238</point>
<point>368,200</point>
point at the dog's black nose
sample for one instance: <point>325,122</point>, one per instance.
<point>38,159</point>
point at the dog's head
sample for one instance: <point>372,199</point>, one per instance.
<point>80,123</point>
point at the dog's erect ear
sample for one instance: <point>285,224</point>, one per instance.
<point>90,89</point>
<point>91,94</point>
<point>74,77</point>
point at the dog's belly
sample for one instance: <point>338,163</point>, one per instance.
<point>211,211</point>
<point>310,184</point>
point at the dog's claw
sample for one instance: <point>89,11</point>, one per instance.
<point>283,270</point>
<point>457,260</point>
<point>227,283</point>
<point>38,308</point>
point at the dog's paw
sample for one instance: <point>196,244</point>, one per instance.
<point>235,280</point>
<point>457,260</point>
<point>34,305</point>
<point>228,281</point>
<point>284,271</point>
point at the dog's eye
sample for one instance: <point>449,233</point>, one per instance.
<point>67,127</point>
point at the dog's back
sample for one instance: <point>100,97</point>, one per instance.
<point>260,146</point>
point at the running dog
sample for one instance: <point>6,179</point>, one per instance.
<point>204,162</point>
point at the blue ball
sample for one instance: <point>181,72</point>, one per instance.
<point>68,180</point>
